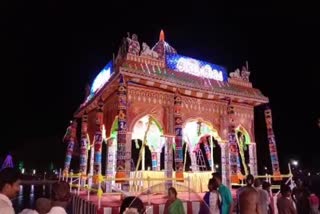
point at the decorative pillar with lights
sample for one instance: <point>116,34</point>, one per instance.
<point>122,152</point>
<point>168,158</point>
<point>272,143</point>
<point>225,171</point>
<point>110,161</point>
<point>233,148</point>
<point>84,146</point>
<point>178,136</point>
<point>69,137</point>
<point>253,159</point>
<point>98,141</point>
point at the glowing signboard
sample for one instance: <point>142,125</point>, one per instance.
<point>196,67</point>
<point>101,78</point>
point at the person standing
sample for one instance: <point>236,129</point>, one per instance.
<point>300,195</point>
<point>285,203</point>
<point>211,200</point>
<point>60,198</point>
<point>264,199</point>
<point>227,202</point>
<point>249,198</point>
<point>267,187</point>
<point>9,188</point>
<point>314,203</point>
<point>173,205</point>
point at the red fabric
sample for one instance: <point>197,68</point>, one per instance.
<point>314,200</point>
<point>167,205</point>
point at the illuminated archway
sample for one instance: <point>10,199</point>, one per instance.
<point>154,141</point>
<point>243,142</point>
<point>196,134</point>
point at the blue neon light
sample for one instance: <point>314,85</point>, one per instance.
<point>101,78</point>
<point>196,67</point>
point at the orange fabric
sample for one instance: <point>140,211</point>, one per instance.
<point>179,176</point>
<point>277,178</point>
<point>234,179</point>
<point>120,175</point>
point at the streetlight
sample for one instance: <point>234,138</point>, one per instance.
<point>295,163</point>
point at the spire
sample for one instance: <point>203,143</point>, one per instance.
<point>161,37</point>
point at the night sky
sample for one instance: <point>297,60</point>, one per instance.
<point>53,48</point>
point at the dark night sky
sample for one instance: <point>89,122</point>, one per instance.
<point>53,48</point>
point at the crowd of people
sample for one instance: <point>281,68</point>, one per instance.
<point>255,197</point>
<point>59,203</point>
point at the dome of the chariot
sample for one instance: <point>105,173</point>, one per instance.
<point>162,47</point>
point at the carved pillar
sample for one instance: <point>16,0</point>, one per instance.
<point>253,159</point>
<point>110,162</point>
<point>178,136</point>
<point>225,172</point>
<point>168,159</point>
<point>272,142</point>
<point>70,137</point>
<point>122,130</point>
<point>98,141</point>
<point>233,148</point>
<point>84,146</point>
<point>91,161</point>
<point>128,154</point>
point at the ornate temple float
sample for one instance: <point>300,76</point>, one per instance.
<point>176,106</point>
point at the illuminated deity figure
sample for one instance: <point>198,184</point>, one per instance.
<point>134,46</point>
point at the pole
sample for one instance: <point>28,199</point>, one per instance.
<point>185,157</point>
<point>143,163</point>
<point>142,147</point>
<point>211,151</point>
<point>149,190</point>
<point>189,187</point>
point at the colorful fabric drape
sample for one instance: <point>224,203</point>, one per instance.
<point>122,128</point>
<point>178,136</point>
<point>84,145</point>
<point>272,143</point>
<point>208,152</point>
<point>233,149</point>
<point>70,137</point>
<point>98,140</point>
<point>154,158</point>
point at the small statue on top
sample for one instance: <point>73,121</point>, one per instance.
<point>235,74</point>
<point>245,73</point>
<point>134,46</point>
<point>146,51</point>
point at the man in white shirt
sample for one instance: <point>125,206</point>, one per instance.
<point>61,198</point>
<point>43,206</point>
<point>9,187</point>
